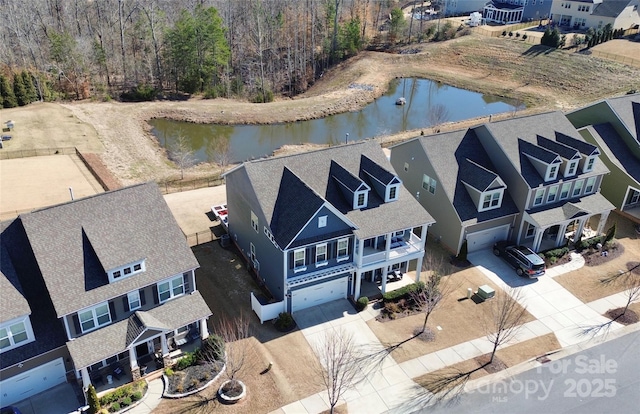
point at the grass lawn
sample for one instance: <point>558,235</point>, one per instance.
<point>585,284</point>
<point>461,319</point>
<point>510,356</point>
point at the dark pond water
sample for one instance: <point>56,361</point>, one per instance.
<point>381,117</point>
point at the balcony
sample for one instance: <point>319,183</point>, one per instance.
<point>397,250</point>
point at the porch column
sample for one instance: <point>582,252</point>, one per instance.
<point>578,234</point>
<point>166,358</point>
<point>603,221</point>
<point>387,246</point>
<point>384,280</point>
<point>418,268</point>
<point>562,230</point>
<point>86,379</point>
<point>133,362</point>
<point>356,294</point>
<point>537,238</point>
<point>204,331</point>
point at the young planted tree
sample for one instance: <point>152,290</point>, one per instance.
<point>339,364</point>
<point>92,400</point>
<point>182,154</point>
<point>396,25</point>
<point>437,115</point>
<point>505,318</point>
<point>219,151</point>
<point>235,334</point>
<point>434,291</point>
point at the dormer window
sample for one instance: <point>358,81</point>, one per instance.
<point>589,164</point>
<point>15,333</point>
<point>392,192</point>
<point>491,200</point>
<point>360,199</point>
<point>552,172</point>
<point>571,169</point>
<point>126,271</point>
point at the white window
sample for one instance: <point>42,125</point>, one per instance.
<point>360,199</point>
<point>564,192</point>
<point>539,197</point>
<point>571,168</point>
<point>343,249</point>
<point>392,192</point>
<point>553,194</point>
<point>491,200</point>
<point>126,271</point>
<point>15,333</point>
<point>531,230</point>
<point>322,221</point>
<point>254,222</point>
<point>577,188</point>
<point>589,188</point>
<point>321,254</point>
<point>588,165</point>
<point>552,172</point>
<point>429,184</point>
<point>95,317</point>
<point>299,260</point>
<point>634,196</point>
<point>134,300</point>
<point>171,288</point>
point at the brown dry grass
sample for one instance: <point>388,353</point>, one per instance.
<point>510,356</point>
<point>461,319</point>
<point>585,284</point>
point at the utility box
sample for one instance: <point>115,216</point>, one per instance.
<point>486,292</point>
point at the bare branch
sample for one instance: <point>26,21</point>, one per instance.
<point>505,318</point>
<point>438,114</point>
<point>182,154</point>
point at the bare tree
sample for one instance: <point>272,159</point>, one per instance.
<point>438,114</point>
<point>182,154</point>
<point>219,151</point>
<point>339,364</point>
<point>506,316</point>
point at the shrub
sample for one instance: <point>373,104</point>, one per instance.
<point>517,34</point>
<point>263,98</point>
<point>213,348</point>
<point>194,383</point>
<point>510,34</point>
<point>187,360</point>
<point>139,93</point>
<point>92,399</point>
<point>205,377</point>
<point>362,303</point>
<point>285,321</point>
<point>391,307</point>
<point>136,396</point>
<point>179,388</point>
<point>168,372</point>
<point>114,407</point>
<point>524,36</point>
<point>504,33</point>
<point>588,243</point>
<point>556,253</point>
<point>611,233</point>
<point>126,401</point>
<point>403,292</point>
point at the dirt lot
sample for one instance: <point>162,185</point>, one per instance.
<point>543,80</point>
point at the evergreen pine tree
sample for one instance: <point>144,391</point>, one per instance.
<point>19,91</point>
<point>27,81</point>
<point>92,399</point>
<point>9,99</point>
<point>611,233</point>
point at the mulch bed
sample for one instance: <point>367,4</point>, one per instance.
<point>595,257</point>
<point>496,366</point>
<point>193,377</point>
<point>626,318</point>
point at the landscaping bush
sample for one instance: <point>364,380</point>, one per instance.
<point>556,253</point>
<point>114,407</point>
<point>168,372</point>
<point>213,348</point>
<point>611,233</point>
<point>139,93</point>
<point>136,396</point>
<point>362,303</point>
<point>589,243</point>
<point>403,292</point>
<point>285,321</point>
<point>504,33</point>
<point>126,401</point>
<point>92,399</point>
<point>524,36</point>
<point>187,360</point>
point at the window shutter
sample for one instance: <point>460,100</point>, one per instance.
<point>125,303</point>
<point>185,279</point>
<point>76,324</point>
<point>312,258</point>
<point>156,299</point>
<point>112,310</point>
<point>290,260</point>
<point>143,300</point>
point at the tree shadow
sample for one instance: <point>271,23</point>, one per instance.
<point>537,50</point>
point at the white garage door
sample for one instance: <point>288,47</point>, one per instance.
<point>32,382</point>
<point>318,294</point>
<point>485,238</point>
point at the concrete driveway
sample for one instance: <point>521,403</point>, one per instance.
<point>383,387</point>
<point>60,399</point>
<point>545,299</point>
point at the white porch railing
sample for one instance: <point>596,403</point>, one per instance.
<point>267,311</point>
<point>413,245</point>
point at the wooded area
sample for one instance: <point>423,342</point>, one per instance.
<point>76,49</point>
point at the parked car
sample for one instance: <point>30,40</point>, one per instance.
<point>523,259</point>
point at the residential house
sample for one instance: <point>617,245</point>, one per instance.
<point>459,7</point>
<point>452,177</point>
<point>539,162</point>
<point>113,277</point>
<point>584,14</point>
<point>613,125</point>
<point>313,225</point>
<point>516,11</point>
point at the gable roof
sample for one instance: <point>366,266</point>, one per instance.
<point>559,148</point>
<point>448,154</point>
<point>538,152</point>
<point>313,169</point>
<point>75,243</point>
<point>477,176</point>
<point>13,304</point>
<point>610,8</point>
<point>545,216</point>
<point>627,109</point>
<point>617,150</point>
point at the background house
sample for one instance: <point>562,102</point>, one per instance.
<point>516,11</point>
<point>313,225</point>
<point>613,125</point>
<point>583,14</point>
<point>114,277</point>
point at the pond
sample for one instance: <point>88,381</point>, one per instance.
<point>380,117</point>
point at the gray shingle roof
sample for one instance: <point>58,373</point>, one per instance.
<point>345,178</point>
<point>74,243</point>
<point>610,8</point>
<point>583,146</point>
<point>476,175</point>
<point>591,204</point>
<point>538,152</point>
<point>559,148</point>
<point>514,134</point>
<point>12,301</point>
<point>313,169</point>
<point>627,108</point>
<point>448,154</point>
<point>618,150</point>
<point>115,338</point>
